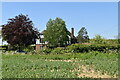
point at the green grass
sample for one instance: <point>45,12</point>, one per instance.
<point>41,66</point>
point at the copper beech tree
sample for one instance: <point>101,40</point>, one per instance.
<point>19,31</point>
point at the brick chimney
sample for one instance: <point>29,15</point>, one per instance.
<point>72,32</point>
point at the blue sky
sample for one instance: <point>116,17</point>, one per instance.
<point>97,17</point>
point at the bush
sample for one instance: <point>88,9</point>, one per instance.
<point>81,48</point>
<point>104,41</point>
<point>58,50</point>
<point>44,51</point>
<point>33,52</point>
<point>77,48</point>
<point>29,48</point>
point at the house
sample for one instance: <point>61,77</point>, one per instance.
<point>40,43</point>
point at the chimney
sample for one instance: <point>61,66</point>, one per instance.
<point>72,32</point>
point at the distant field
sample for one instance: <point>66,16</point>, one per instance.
<point>79,65</point>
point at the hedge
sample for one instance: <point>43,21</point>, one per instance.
<point>76,48</point>
<point>81,48</point>
<point>105,41</point>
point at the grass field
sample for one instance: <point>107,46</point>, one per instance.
<point>79,65</point>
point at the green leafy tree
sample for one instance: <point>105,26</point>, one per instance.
<point>19,31</point>
<point>56,33</point>
<point>99,39</point>
<point>82,36</point>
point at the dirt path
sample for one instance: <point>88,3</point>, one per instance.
<point>90,72</point>
<point>62,60</point>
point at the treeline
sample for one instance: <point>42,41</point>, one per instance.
<point>19,32</point>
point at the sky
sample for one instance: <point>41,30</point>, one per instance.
<point>97,17</point>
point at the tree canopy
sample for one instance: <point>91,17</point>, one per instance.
<point>56,33</point>
<point>99,39</point>
<point>82,35</point>
<point>19,31</point>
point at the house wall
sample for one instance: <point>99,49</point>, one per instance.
<point>40,46</point>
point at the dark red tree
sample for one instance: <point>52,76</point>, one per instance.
<point>19,31</point>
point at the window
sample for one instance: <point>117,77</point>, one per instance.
<point>41,46</point>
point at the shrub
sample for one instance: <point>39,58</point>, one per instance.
<point>104,41</point>
<point>98,39</point>
<point>77,48</point>
<point>29,48</point>
<point>44,51</point>
<point>58,50</point>
<point>33,52</point>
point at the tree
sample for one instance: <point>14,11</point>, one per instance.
<point>56,33</point>
<point>19,31</point>
<point>99,39</point>
<point>82,35</point>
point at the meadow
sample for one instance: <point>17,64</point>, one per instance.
<point>91,64</point>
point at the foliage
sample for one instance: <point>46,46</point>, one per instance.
<point>19,31</point>
<point>76,48</point>
<point>81,48</point>
<point>105,41</point>
<point>58,51</point>
<point>56,33</point>
<point>41,66</point>
<point>29,48</point>
<point>98,39</point>
<point>82,35</point>
<point>35,67</point>
<point>44,51</point>
<point>99,60</point>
